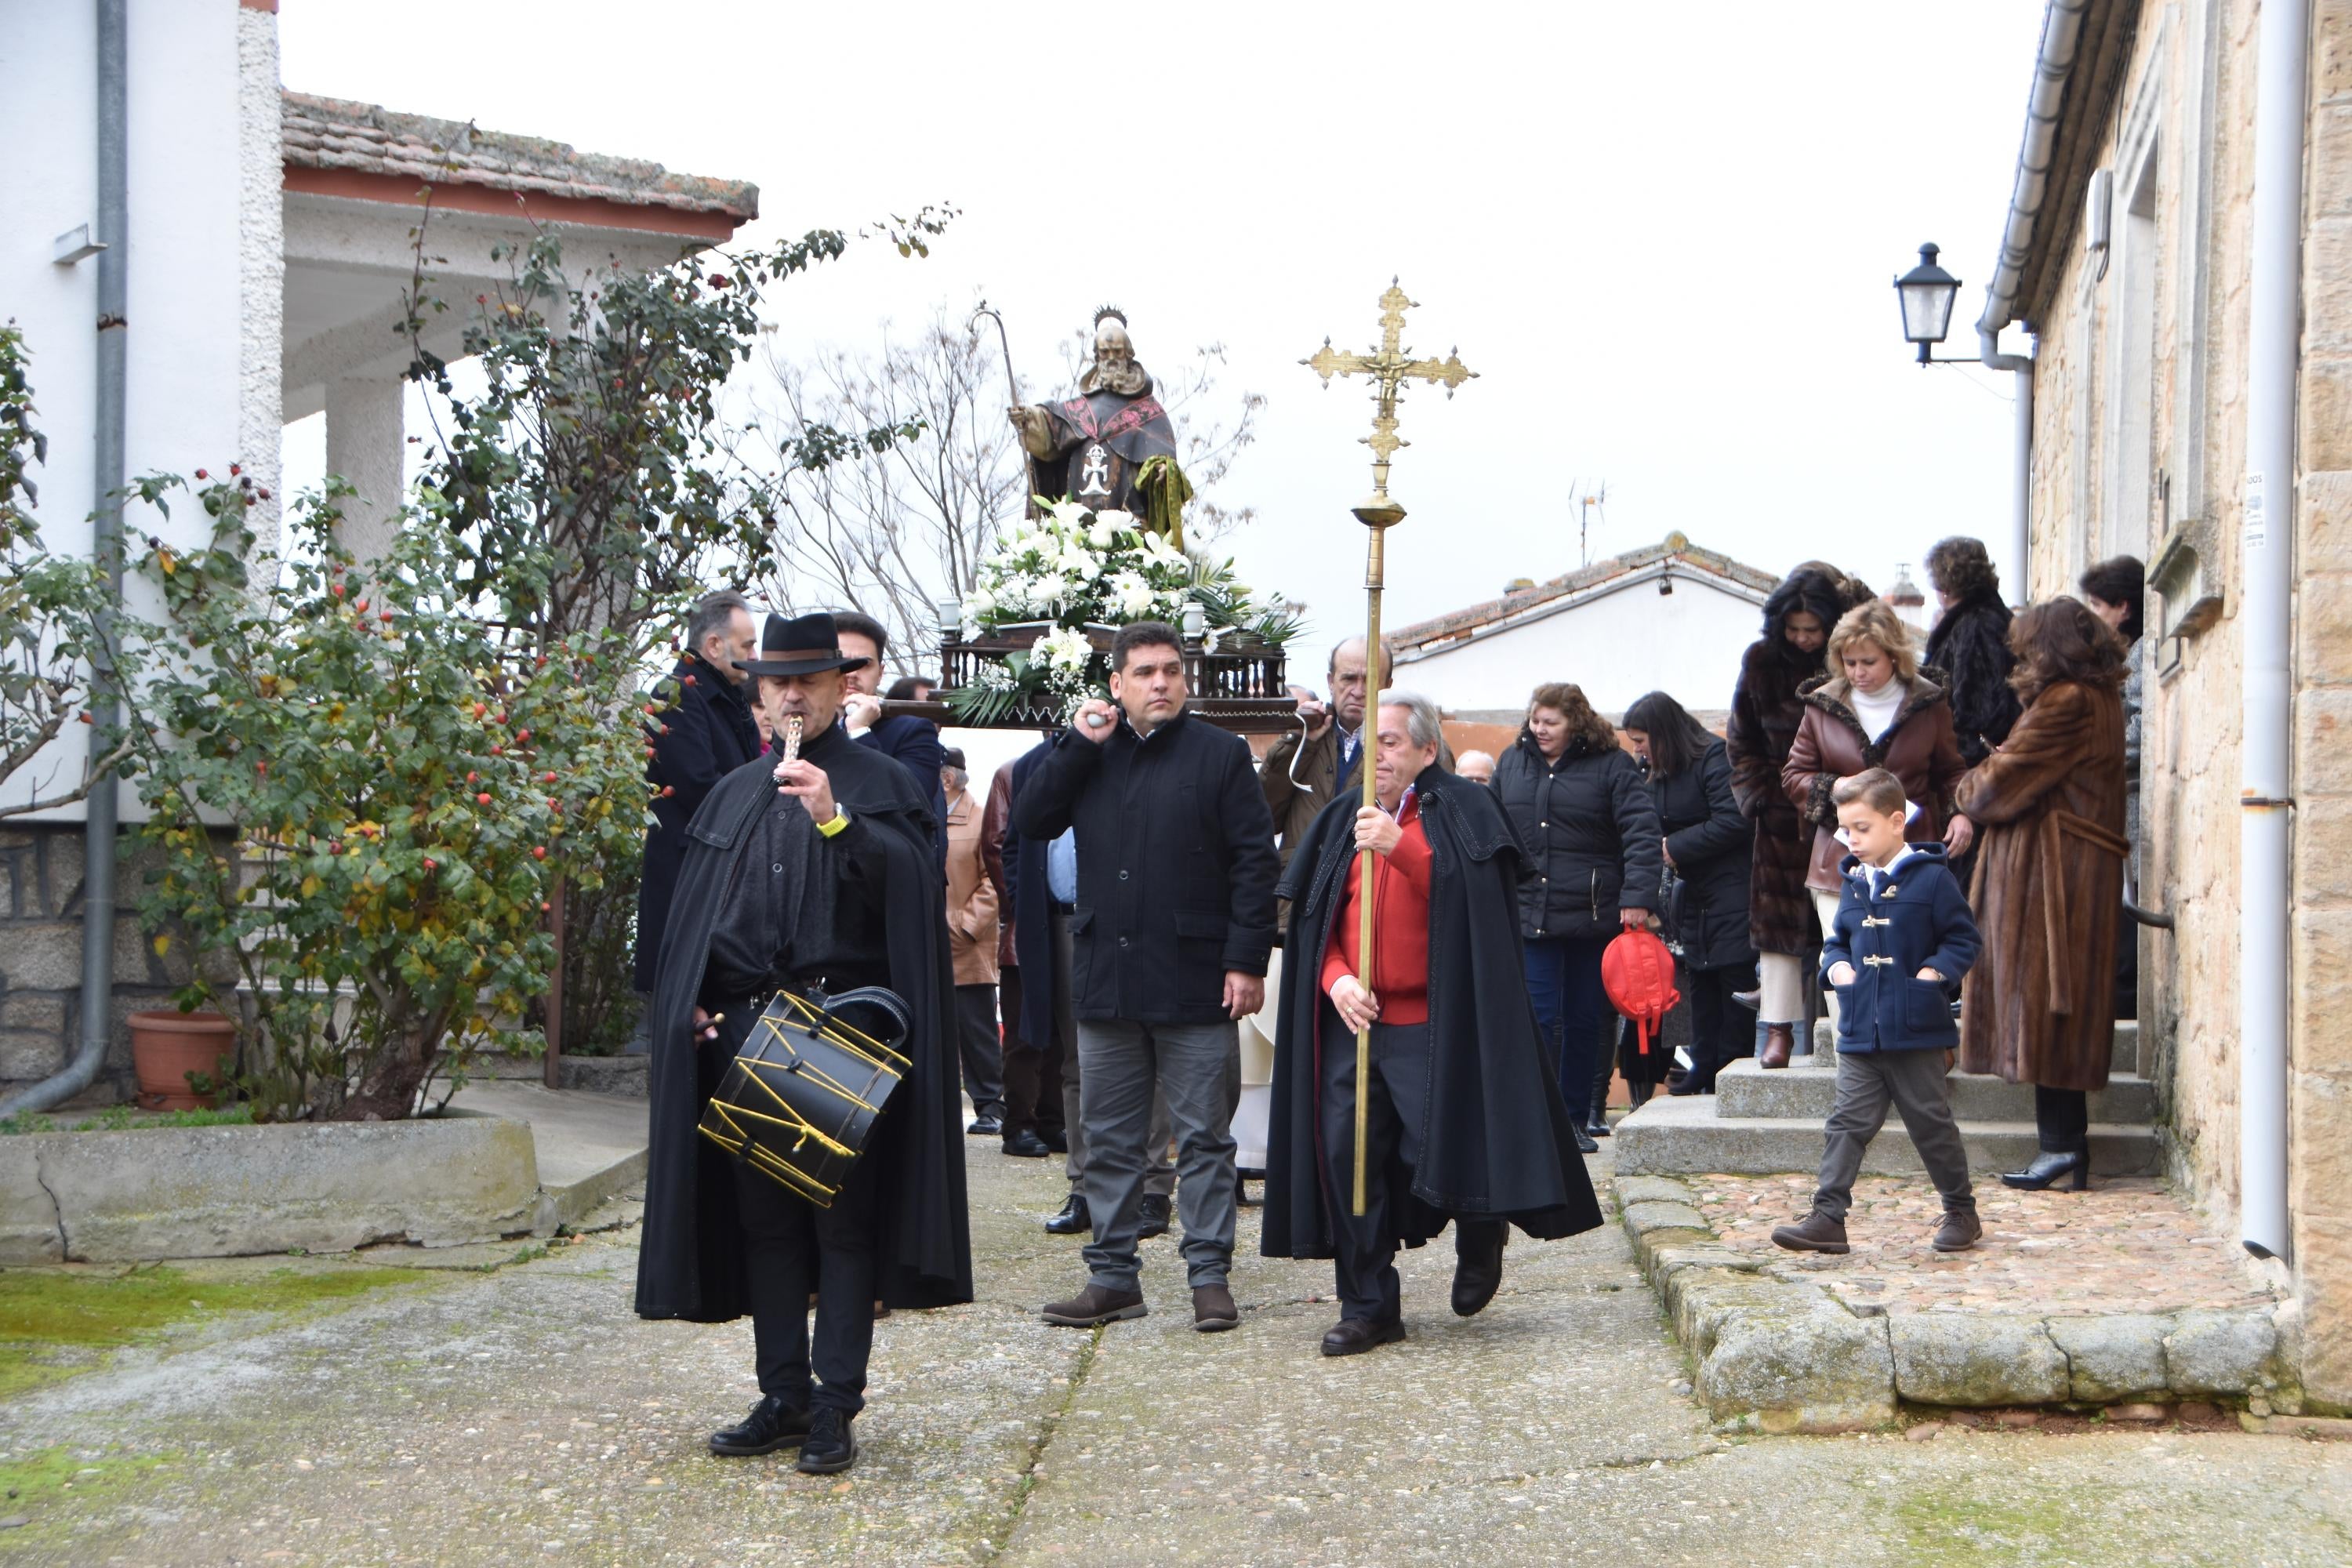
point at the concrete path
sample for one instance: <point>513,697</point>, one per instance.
<point>524,1415</point>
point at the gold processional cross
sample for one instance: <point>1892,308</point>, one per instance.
<point>1389,369</point>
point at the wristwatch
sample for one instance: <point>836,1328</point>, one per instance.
<point>840,821</point>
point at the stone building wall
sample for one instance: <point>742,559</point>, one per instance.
<point>2188,92</point>
<point>40,962</point>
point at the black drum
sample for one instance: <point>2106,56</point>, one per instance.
<point>802,1098</point>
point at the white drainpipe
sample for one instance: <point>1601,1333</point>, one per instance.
<point>2264,624</point>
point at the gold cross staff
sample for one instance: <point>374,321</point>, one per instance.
<point>1389,369</point>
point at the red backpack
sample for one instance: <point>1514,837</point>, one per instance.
<point>1638,973</point>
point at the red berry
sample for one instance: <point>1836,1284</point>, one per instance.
<point>547,778</point>
<point>383,615</point>
<point>337,590</point>
<point>202,475</point>
<point>546,908</point>
<point>651,710</point>
<point>235,469</point>
<point>497,751</point>
<point>361,606</point>
<point>263,492</point>
<point>430,864</point>
<point>541,663</point>
<point>502,715</point>
<point>689,680</point>
<point>552,805</point>
<point>482,799</point>
<point>473,778</point>
<point>668,790</point>
<point>84,717</point>
<point>538,852</point>
<point>261,768</point>
<point>335,848</point>
<point>718,280</point>
<point>480,709</point>
<point>522,737</point>
<point>649,751</point>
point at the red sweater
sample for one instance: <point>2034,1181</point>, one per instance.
<point>1400,924</point>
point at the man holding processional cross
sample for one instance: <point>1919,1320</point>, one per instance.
<point>1403,928</point>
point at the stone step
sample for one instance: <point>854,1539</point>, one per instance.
<point>2125,1059</point>
<point>1672,1136</point>
<point>1806,1093</point>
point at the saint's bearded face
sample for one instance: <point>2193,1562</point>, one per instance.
<point>1115,366</point>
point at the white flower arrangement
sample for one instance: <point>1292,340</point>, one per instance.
<point>1073,569</point>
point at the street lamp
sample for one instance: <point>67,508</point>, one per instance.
<point>1926,292</point>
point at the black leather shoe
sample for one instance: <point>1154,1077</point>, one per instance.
<point>1584,1144</point>
<point>985,1127</point>
<point>829,1447</point>
<point>2047,1169</point>
<point>1477,1264</point>
<point>1073,1219</point>
<point>1057,1139</point>
<point>1025,1145</point>
<point>1154,1212</point>
<point>774,1423</point>
<point>1597,1128</point>
<point>1354,1336</point>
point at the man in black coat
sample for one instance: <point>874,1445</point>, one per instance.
<point>1465,1122</point>
<point>708,734</point>
<point>1171,928</point>
<point>816,875</point>
<point>914,742</point>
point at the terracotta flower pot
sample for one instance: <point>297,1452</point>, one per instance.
<point>166,1047</point>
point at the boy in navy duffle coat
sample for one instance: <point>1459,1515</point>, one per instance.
<point>1903,933</point>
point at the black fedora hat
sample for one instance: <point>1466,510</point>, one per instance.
<point>804,644</point>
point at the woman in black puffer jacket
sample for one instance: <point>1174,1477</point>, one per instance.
<point>1707,842</point>
<point>1585,815</point>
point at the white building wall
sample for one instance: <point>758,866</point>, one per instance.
<point>1617,647</point>
<point>187,305</point>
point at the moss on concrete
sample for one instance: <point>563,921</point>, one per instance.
<point>55,1323</point>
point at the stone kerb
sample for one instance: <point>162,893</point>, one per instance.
<point>1773,1354</point>
<point>219,1191</point>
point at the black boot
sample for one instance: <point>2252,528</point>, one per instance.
<point>1477,1264</point>
<point>774,1423</point>
<point>2048,1168</point>
<point>1073,1219</point>
<point>1154,1214</point>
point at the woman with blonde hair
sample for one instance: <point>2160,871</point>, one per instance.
<point>1585,815</point>
<point>1876,712</point>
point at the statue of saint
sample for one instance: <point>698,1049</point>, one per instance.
<point>1094,447</point>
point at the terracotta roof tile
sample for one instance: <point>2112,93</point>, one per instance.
<point>336,133</point>
<point>1461,623</point>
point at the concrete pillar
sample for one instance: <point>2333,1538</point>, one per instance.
<point>367,445</point>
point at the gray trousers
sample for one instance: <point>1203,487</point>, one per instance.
<point>1198,1068</point>
<point>1868,1082</point>
<point>982,1050</point>
<point>1159,1174</point>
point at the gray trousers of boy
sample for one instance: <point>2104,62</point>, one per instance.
<point>1912,1083</point>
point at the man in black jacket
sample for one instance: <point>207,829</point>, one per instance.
<point>914,742</point>
<point>819,875</point>
<point>705,736</point>
<point>1171,929</point>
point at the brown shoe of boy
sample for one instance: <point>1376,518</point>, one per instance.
<point>1960,1230</point>
<point>1814,1232</point>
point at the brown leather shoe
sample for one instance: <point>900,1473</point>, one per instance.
<point>1779,1041</point>
<point>1354,1336</point>
<point>1213,1311</point>
<point>1960,1230</point>
<point>1094,1305</point>
<point>1814,1232</point>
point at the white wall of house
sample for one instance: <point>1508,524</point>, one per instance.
<point>189,300</point>
<point>1617,641</point>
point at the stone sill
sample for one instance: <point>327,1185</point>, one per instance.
<point>1773,1355</point>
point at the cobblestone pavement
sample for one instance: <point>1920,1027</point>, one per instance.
<point>523,1415</point>
<point>2128,1244</point>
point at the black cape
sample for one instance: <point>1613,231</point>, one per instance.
<point>1497,1141</point>
<point>691,1258</point>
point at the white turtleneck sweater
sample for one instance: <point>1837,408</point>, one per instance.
<point>1877,709</point>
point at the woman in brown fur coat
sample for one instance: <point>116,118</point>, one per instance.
<point>1765,712</point>
<point>2049,883</point>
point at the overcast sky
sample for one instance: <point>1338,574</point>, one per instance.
<point>1662,234</point>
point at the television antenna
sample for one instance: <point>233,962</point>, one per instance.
<point>1587,501</point>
